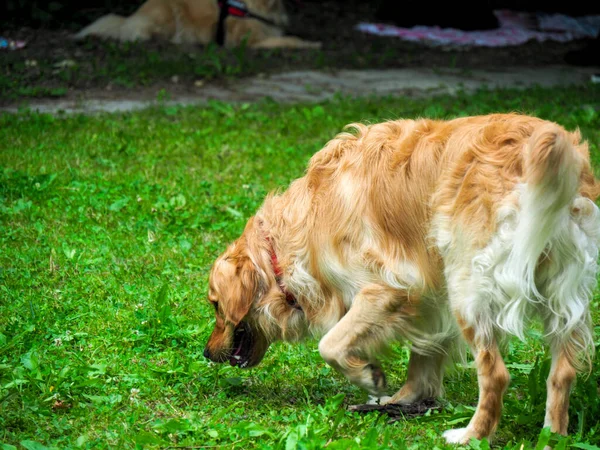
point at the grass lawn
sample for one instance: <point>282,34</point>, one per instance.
<point>108,226</point>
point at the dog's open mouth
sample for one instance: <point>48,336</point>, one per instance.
<point>242,346</point>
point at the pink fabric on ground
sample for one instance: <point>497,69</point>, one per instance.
<point>515,28</point>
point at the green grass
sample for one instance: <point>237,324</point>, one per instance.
<point>108,226</point>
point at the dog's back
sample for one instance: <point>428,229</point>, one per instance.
<point>453,182</point>
<point>414,181</point>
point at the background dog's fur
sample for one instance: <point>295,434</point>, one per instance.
<point>195,22</point>
<point>413,230</point>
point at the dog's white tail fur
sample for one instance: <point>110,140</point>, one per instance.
<point>108,26</point>
<point>552,167</point>
<point>552,170</point>
<point>112,26</point>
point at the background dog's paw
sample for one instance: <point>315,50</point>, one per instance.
<point>456,436</point>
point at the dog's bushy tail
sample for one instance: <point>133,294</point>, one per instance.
<point>557,234</point>
<point>108,26</point>
<point>551,176</point>
<point>112,26</point>
<point>552,169</point>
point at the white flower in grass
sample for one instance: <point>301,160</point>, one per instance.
<point>58,342</point>
<point>133,394</point>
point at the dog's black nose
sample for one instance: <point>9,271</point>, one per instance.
<point>206,353</point>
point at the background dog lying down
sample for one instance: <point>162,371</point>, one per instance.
<point>197,22</point>
<point>424,231</point>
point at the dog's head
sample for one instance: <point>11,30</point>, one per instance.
<point>234,285</point>
<point>251,310</point>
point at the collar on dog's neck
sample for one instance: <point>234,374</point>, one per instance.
<point>289,297</point>
<point>236,8</point>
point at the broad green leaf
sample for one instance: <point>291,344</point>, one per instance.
<point>585,446</point>
<point>33,445</point>
<point>119,204</point>
<point>145,438</point>
<point>543,438</point>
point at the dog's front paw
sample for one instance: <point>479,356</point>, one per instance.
<point>457,436</point>
<point>375,400</point>
<point>407,395</point>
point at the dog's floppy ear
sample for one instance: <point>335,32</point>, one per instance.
<point>239,295</point>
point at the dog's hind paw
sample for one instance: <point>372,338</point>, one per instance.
<point>457,436</point>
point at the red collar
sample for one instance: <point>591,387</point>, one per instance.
<point>289,297</point>
<point>236,8</point>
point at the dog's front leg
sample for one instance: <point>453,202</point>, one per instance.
<point>285,42</point>
<point>353,344</point>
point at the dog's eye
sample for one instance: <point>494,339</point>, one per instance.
<point>216,305</point>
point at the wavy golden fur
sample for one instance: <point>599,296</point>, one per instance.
<point>424,231</point>
<point>195,22</point>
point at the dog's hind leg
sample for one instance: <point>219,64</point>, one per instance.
<point>568,277</point>
<point>493,379</point>
<point>354,343</point>
<point>560,380</point>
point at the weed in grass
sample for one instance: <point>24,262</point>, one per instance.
<point>108,227</point>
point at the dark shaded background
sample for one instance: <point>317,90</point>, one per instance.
<point>52,64</point>
<point>72,14</point>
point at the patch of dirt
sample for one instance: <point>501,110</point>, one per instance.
<point>53,65</point>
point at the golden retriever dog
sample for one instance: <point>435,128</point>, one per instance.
<point>423,230</point>
<point>259,23</point>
